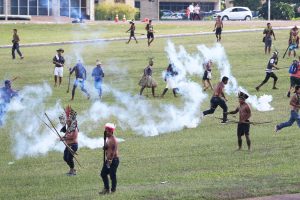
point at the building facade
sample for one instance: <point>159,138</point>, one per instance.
<point>69,8</point>
<point>151,8</point>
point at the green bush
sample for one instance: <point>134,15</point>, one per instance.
<point>283,11</point>
<point>108,11</point>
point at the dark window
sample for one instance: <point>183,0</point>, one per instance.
<point>181,6</point>
<point>33,7</point>
<point>23,7</point>
<point>242,9</point>
<point>43,7</point>
<point>14,7</point>
<point>64,8</point>
<point>1,7</point>
<point>75,9</point>
<point>137,4</point>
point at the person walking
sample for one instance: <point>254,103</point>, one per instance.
<point>16,45</point>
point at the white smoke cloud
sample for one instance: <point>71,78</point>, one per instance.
<point>217,55</point>
<point>30,135</point>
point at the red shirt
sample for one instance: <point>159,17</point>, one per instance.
<point>297,74</point>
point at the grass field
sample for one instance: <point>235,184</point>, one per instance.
<point>198,163</point>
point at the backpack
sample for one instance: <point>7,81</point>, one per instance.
<point>293,68</point>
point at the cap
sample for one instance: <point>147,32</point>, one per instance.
<point>98,62</point>
<point>6,82</point>
<point>110,126</point>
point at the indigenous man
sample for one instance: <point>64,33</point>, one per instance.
<point>295,105</point>
<point>293,43</point>
<point>169,78</point>
<point>207,75</point>
<point>268,38</point>
<point>218,28</point>
<point>111,163</point>
<point>69,122</point>
<point>80,74</point>
<point>269,71</point>
<point>147,80</point>
<point>218,99</point>
<point>243,124</point>
<point>294,76</point>
<point>150,32</point>
<point>294,31</point>
<point>16,45</point>
<point>6,94</point>
<point>131,29</point>
<point>58,61</point>
<point>98,75</point>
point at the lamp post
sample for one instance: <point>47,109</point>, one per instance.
<point>269,10</point>
<point>6,9</point>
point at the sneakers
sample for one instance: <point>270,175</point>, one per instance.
<point>276,129</point>
<point>104,191</point>
<point>72,172</point>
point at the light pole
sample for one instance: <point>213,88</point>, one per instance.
<point>269,10</point>
<point>6,10</point>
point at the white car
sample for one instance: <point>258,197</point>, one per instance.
<point>235,13</point>
<point>174,16</point>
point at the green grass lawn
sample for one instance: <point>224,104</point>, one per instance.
<point>198,163</point>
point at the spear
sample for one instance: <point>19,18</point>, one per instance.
<point>253,123</point>
<point>61,138</point>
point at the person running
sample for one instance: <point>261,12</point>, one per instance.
<point>170,75</point>
<point>16,45</point>
<point>80,74</point>
<point>294,72</point>
<point>147,80</point>
<point>268,32</point>
<point>207,75</point>
<point>131,29</point>
<point>269,71</point>
<point>59,61</point>
<point>243,127</point>
<point>70,129</point>
<point>111,163</point>
<point>295,105</point>
<point>218,28</point>
<point>6,94</point>
<point>150,32</point>
<point>98,75</point>
<point>293,44</point>
<point>219,99</point>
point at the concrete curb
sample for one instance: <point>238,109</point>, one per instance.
<point>126,38</point>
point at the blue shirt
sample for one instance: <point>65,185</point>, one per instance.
<point>98,73</point>
<point>80,71</point>
<point>7,94</point>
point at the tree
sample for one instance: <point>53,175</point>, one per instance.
<point>251,4</point>
<point>279,10</point>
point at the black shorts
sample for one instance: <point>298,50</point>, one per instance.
<point>205,75</point>
<point>218,31</point>
<point>150,35</point>
<point>131,34</point>
<point>294,81</point>
<point>243,129</point>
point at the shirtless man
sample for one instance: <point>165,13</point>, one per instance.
<point>218,28</point>
<point>150,32</point>
<point>111,163</point>
<point>131,29</point>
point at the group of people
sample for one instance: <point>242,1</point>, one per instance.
<point>80,74</point>
<point>70,130</point>
<point>149,28</point>
<point>147,81</point>
<point>193,12</point>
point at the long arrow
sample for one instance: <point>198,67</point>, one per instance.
<point>254,123</point>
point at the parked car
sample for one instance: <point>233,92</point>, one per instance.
<point>166,12</point>
<point>235,13</point>
<point>174,16</point>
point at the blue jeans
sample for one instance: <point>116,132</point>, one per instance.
<point>14,48</point>
<point>98,86</point>
<point>68,157</point>
<point>294,117</point>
